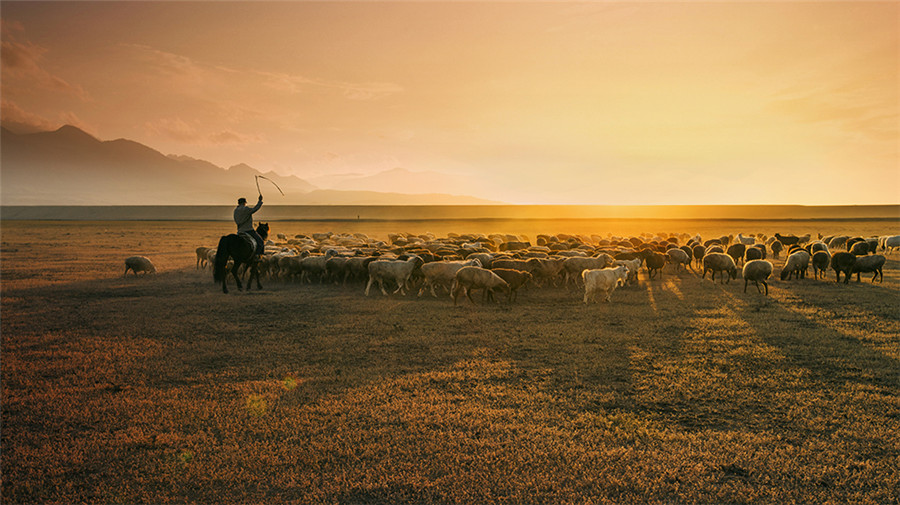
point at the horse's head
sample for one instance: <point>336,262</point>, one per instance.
<point>263,230</point>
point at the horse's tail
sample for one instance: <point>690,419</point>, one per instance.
<point>221,260</point>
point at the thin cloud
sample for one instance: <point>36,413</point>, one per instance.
<point>22,64</point>
<point>17,119</point>
<point>296,84</point>
<point>181,131</point>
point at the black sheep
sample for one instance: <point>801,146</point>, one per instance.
<point>737,252</point>
<point>869,264</point>
<point>820,261</point>
<point>654,261</point>
<point>777,247</point>
<point>787,239</point>
<point>842,262</point>
<point>859,248</point>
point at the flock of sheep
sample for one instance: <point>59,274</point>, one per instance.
<point>498,263</point>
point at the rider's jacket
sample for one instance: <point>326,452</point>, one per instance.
<point>243,216</point>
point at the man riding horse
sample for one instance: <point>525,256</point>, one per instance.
<point>243,217</point>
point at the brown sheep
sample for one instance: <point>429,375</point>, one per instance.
<point>515,279</point>
<point>469,279</point>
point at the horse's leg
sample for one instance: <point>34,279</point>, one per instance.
<point>234,273</point>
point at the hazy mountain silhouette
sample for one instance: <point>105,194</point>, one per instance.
<point>70,167</point>
<point>401,180</point>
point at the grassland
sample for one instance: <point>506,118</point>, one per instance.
<point>164,390</point>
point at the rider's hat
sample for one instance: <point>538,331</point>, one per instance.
<point>242,200</point>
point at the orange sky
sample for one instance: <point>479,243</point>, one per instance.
<point>554,103</point>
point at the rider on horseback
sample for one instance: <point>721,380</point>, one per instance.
<point>243,217</point>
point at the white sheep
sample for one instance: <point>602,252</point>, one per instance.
<point>202,257</point>
<point>633,267</point>
<point>891,243</point>
<point>603,280</point>
<point>574,266</point>
<point>757,271</point>
<point>398,272</point>
<point>746,240</point>
<point>139,264</point>
<point>797,263</point>
<point>442,273</point>
<point>315,266</point>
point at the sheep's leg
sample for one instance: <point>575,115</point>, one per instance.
<point>368,285</point>
<point>255,271</point>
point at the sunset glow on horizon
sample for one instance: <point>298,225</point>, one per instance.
<point>595,103</point>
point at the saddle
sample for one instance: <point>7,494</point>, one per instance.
<point>258,247</point>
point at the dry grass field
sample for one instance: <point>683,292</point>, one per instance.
<point>163,390</point>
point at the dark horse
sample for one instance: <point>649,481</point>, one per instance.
<point>239,249</point>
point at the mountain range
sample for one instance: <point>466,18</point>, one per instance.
<point>68,166</point>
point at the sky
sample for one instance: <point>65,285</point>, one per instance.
<point>602,103</point>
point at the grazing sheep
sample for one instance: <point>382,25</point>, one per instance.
<point>859,248</point>
<point>399,272</point>
<point>836,242</point>
<point>442,273</point>
<point>816,247</point>
<point>358,267</point>
<point>654,262</point>
<point>820,262</point>
<point>757,271</point>
<point>314,266</point>
<point>603,280</point>
<point>514,245</point>
<point>336,269</point>
<point>787,240</point>
<point>842,262</point>
<point>699,252</point>
<point>737,252</point>
<point>633,267</point>
<point>891,243</point>
<point>797,263</point>
<point>485,258</point>
<point>678,256</point>
<point>746,240</point>
<point>873,244</point>
<point>546,269</point>
<point>869,264</point>
<point>471,278</point>
<point>719,262</point>
<point>139,264</point>
<point>202,257</point>
<point>755,253</point>
<point>573,267</point>
<point>515,278</point>
<point>515,264</point>
<point>776,247</point>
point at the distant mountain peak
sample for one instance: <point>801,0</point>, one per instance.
<point>73,132</point>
